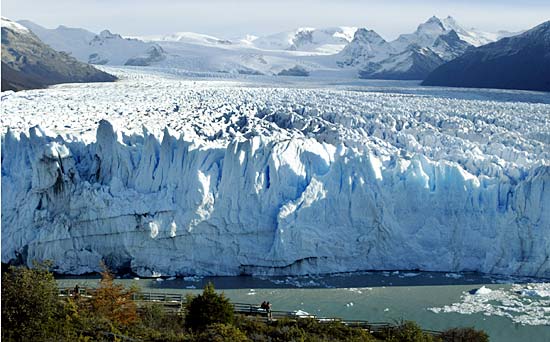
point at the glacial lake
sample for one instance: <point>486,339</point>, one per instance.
<point>508,309</point>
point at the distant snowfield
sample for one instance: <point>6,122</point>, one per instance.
<point>203,176</point>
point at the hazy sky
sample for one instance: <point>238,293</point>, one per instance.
<point>231,19</point>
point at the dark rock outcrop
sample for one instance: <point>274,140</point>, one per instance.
<point>294,71</point>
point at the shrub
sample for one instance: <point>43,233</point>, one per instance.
<point>29,303</point>
<point>218,332</point>
<point>407,331</point>
<point>305,329</point>
<point>208,308</point>
<point>157,324</point>
<point>464,335</point>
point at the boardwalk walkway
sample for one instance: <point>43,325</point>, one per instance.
<point>175,302</point>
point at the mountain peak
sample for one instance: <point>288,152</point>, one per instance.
<point>108,34</point>
<point>432,26</point>
<point>436,22</point>
<point>433,19</point>
<point>366,46</point>
<point>364,34</point>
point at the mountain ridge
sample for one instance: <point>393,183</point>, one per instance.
<point>28,63</point>
<point>354,52</point>
<point>102,48</point>
<point>518,62</point>
<point>430,45</point>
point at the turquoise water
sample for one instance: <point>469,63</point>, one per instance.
<point>376,296</point>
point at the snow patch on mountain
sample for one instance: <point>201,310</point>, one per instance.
<point>323,40</point>
<point>187,37</point>
<point>12,25</point>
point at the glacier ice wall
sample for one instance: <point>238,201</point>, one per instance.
<point>230,177</point>
<point>260,205</point>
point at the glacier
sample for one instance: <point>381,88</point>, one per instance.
<point>166,176</point>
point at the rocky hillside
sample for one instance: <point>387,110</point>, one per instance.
<point>28,63</point>
<point>519,62</point>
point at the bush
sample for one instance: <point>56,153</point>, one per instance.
<point>208,308</point>
<point>464,335</point>
<point>218,332</point>
<point>29,303</point>
<point>305,329</point>
<point>159,325</point>
<point>407,331</point>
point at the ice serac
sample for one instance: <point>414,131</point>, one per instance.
<point>262,205</point>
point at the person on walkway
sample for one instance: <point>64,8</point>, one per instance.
<point>268,309</point>
<point>76,291</point>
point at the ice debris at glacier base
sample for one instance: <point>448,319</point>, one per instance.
<point>185,177</point>
<point>527,304</point>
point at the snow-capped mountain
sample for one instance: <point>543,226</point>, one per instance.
<point>366,46</point>
<point>29,63</point>
<point>305,51</point>
<point>113,49</point>
<point>63,38</point>
<point>321,40</point>
<point>474,36</point>
<point>449,45</point>
<point>412,64</point>
<point>518,62</point>
<point>104,48</point>
<point>433,42</point>
<point>427,33</point>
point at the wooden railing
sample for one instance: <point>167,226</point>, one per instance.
<point>177,301</point>
<point>159,297</point>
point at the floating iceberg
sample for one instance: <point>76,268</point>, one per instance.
<point>522,303</point>
<point>483,291</point>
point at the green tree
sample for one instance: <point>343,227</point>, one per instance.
<point>208,308</point>
<point>29,303</point>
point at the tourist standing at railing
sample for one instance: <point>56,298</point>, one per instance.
<point>268,309</point>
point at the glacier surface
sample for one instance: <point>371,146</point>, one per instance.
<point>166,176</point>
